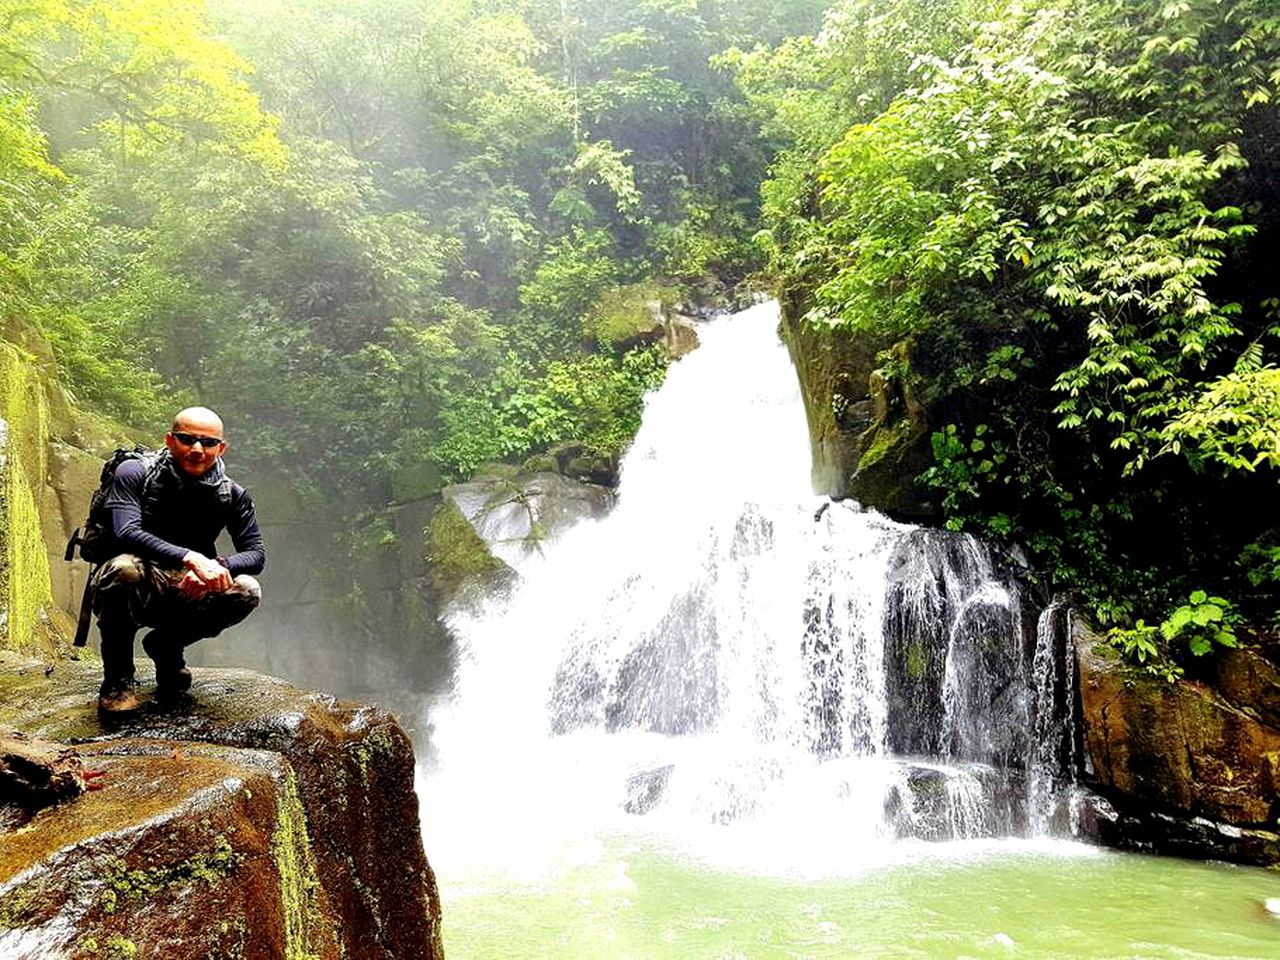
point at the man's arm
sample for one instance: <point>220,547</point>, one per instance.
<point>242,525</point>
<point>125,503</point>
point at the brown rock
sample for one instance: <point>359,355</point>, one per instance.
<point>1182,747</point>
<point>36,773</point>
<point>1248,677</point>
<point>352,805</point>
<point>179,855</point>
<point>680,335</point>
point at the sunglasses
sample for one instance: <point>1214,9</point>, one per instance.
<point>191,439</point>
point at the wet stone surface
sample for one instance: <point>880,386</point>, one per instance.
<point>1188,768</point>
<point>250,820</point>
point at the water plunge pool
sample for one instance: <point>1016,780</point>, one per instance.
<point>629,898</point>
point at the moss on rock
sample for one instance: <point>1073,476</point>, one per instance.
<point>299,884</point>
<point>27,619</point>
<point>628,317</point>
<point>262,821</point>
<point>456,554</point>
<point>867,426</point>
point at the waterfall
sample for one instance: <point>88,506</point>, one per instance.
<point>726,649</point>
<point>1055,758</point>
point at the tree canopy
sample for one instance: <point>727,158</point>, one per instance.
<point>377,234</point>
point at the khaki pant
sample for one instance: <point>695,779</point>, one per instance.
<point>129,592</point>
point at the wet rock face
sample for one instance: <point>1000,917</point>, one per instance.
<point>488,526</point>
<point>1135,827</point>
<point>1189,766</point>
<point>174,858</point>
<point>950,618</point>
<point>253,820</point>
<point>645,789</point>
<point>868,427</point>
<point>937,803</point>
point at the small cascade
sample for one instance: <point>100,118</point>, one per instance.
<point>725,648</point>
<point>953,631</point>
<point>1055,758</point>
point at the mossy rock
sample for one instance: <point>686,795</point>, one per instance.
<point>628,317</point>
<point>26,590</point>
<point>415,481</point>
<point>868,429</point>
<point>252,817</point>
<point>456,554</point>
<point>493,524</point>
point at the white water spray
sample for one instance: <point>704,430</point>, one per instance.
<point>709,660</point>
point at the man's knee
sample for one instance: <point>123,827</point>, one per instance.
<point>119,585</point>
<point>226,609</point>
<point>247,590</point>
<point>124,569</point>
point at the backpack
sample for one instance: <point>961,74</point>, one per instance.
<point>97,542</point>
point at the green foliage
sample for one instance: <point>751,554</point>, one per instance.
<point>593,399</point>
<point>962,471</point>
<point>575,274</point>
<point>1261,561</point>
<point>1234,422</point>
<point>373,233</point>
<point>1066,205</point>
<point>1140,646</point>
<point>1202,623</point>
<point>369,233</point>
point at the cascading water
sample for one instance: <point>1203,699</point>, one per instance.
<point>727,657</point>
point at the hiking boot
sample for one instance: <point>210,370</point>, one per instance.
<point>172,675</point>
<point>118,699</point>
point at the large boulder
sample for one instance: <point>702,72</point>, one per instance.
<point>251,820</point>
<point>487,528</point>
<point>1188,767</point>
<point>640,315</point>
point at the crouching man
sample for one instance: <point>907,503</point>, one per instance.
<point>167,510</point>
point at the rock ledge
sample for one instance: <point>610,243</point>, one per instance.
<point>252,820</point>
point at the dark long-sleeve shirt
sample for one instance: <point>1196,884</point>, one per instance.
<point>180,514</point>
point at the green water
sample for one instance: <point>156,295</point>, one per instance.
<point>634,901</point>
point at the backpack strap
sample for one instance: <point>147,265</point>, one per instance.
<point>86,610</point>
<point>70,553</point>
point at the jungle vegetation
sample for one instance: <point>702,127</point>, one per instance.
<point>372,233</point>
<point>1069,208</point>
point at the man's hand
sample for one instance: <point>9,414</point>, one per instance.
<point>212,575</point>
<point>192,587</point>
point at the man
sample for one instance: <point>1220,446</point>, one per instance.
<point>166,515</point>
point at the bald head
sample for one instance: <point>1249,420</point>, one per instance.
<point>199,420</point>
<point>196,440</point>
